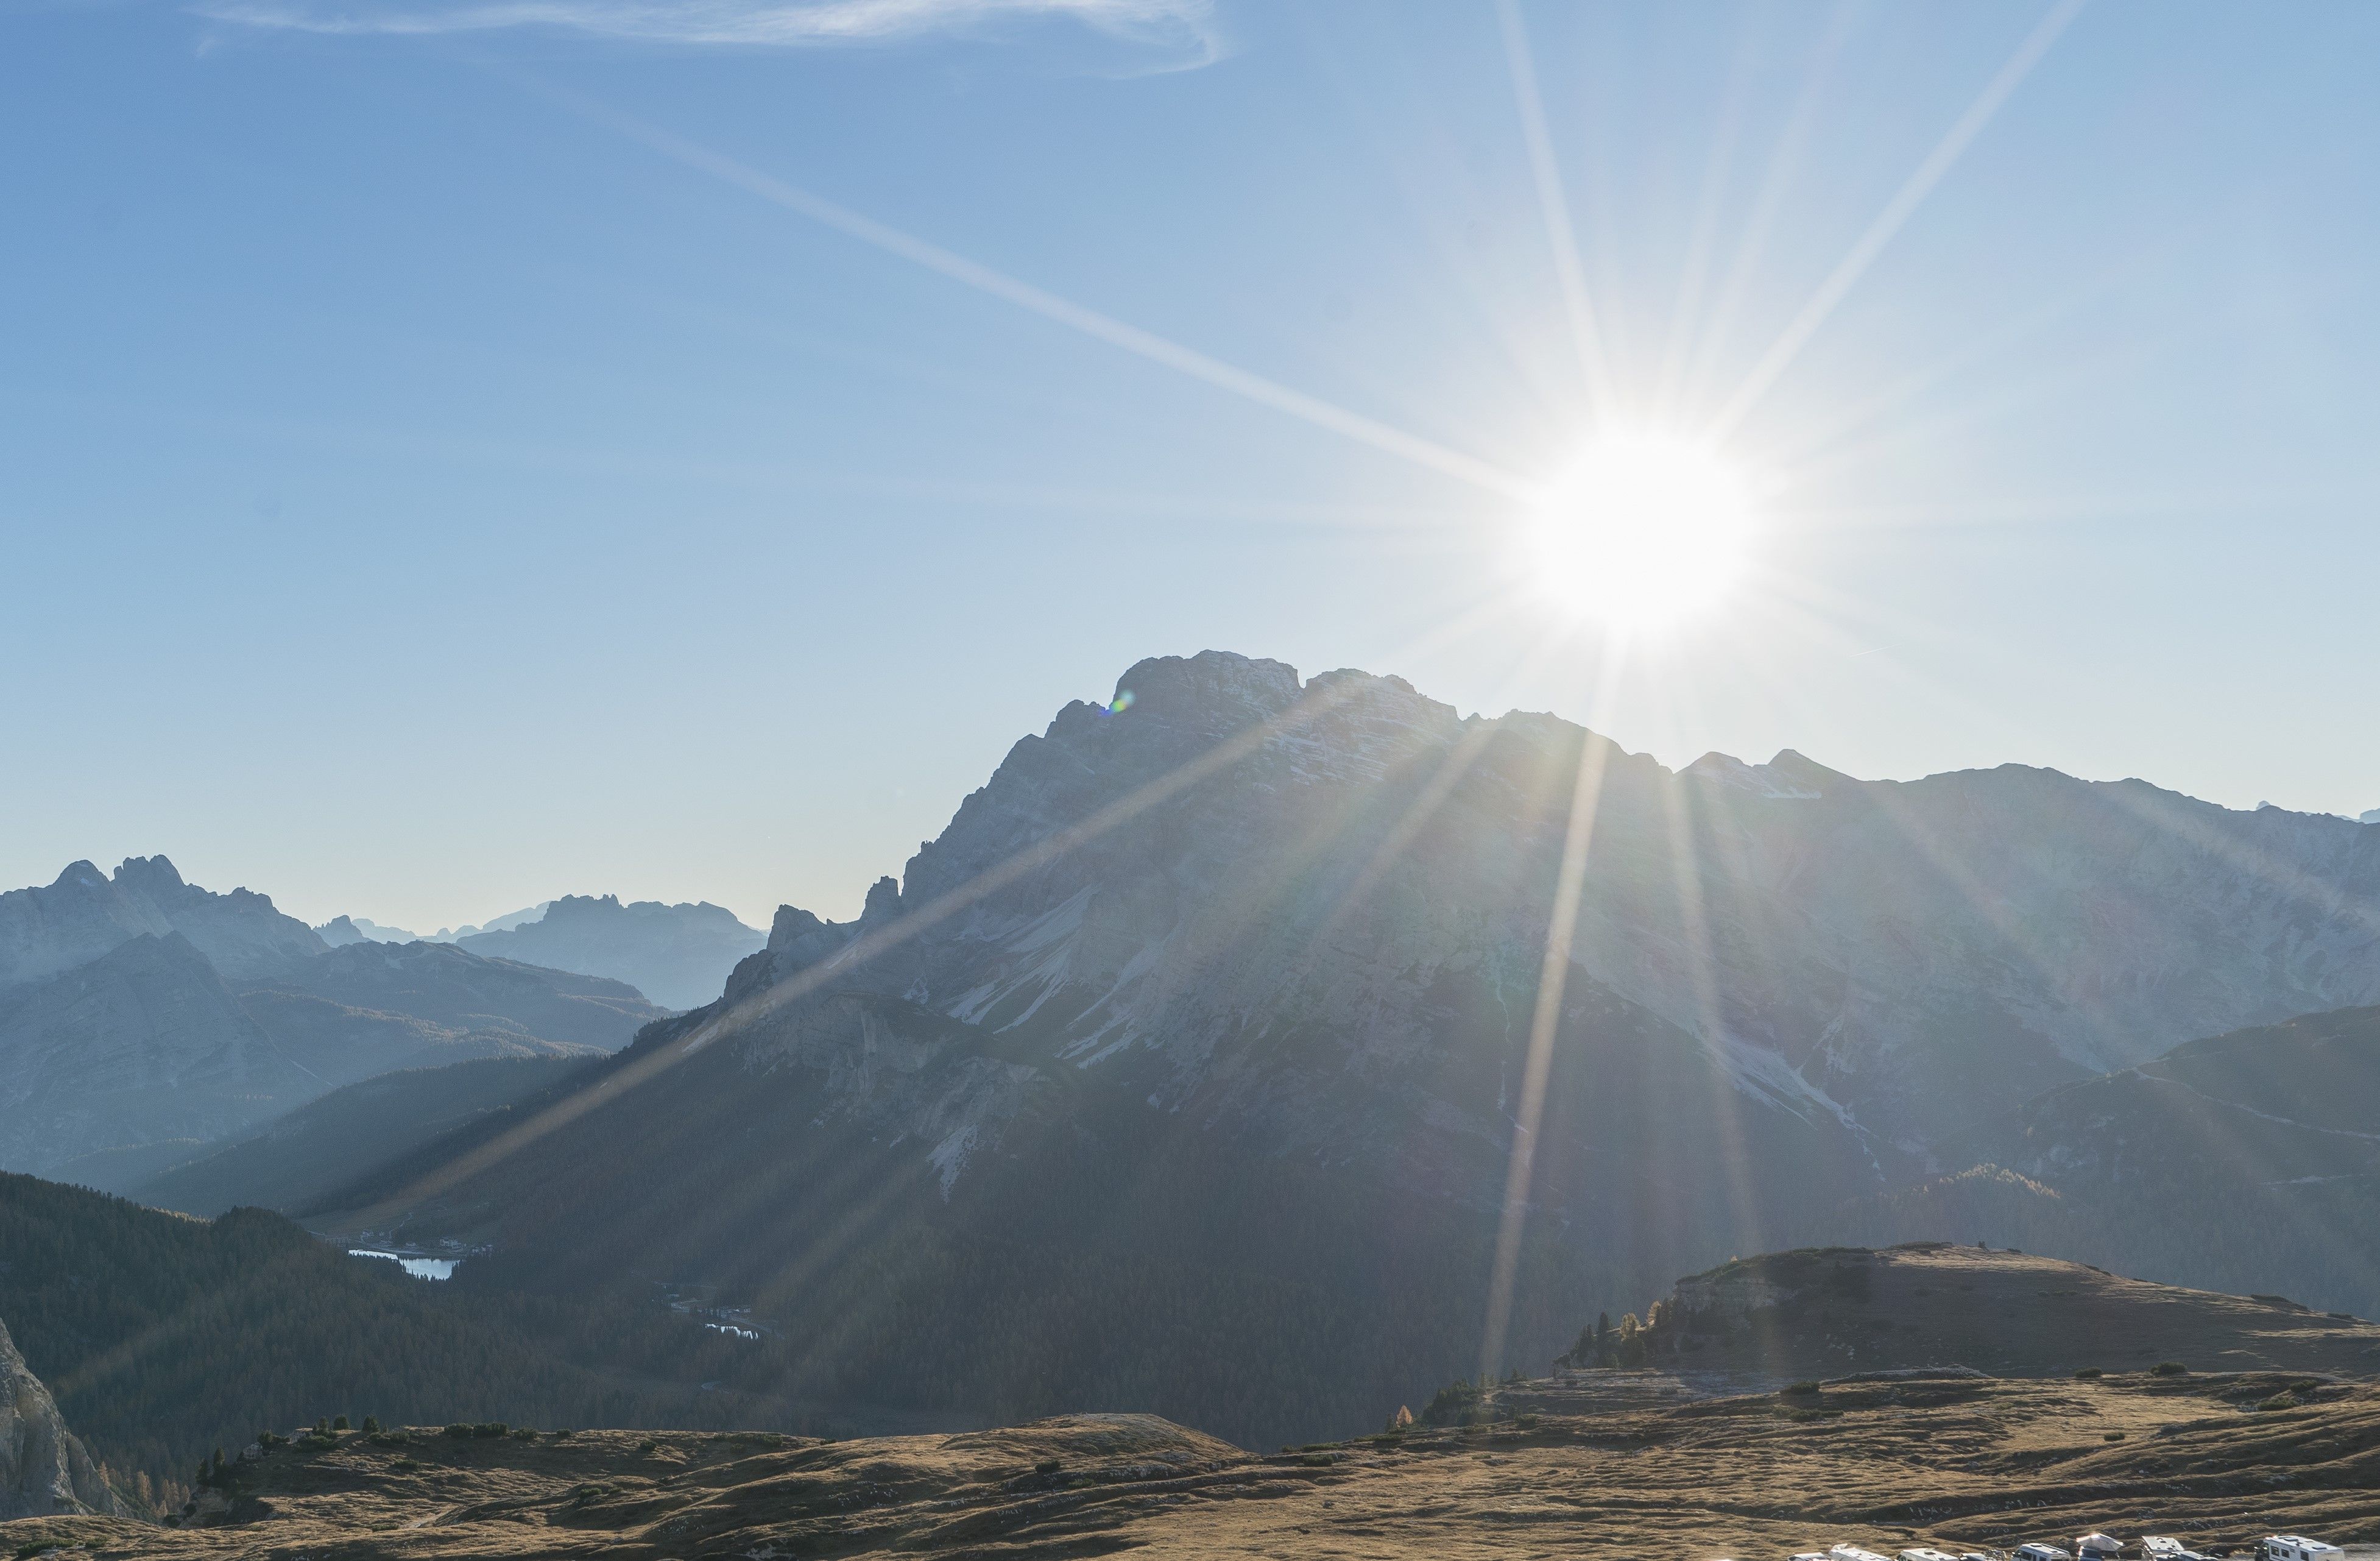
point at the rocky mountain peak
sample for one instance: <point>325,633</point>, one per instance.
<point>83,913</point>
<point>150,876</point>
<point>1211,686</point>
<point>883,900</point>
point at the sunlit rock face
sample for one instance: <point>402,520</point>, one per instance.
<point>44,1470</point>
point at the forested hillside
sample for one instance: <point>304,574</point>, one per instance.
<point>163,1338</point>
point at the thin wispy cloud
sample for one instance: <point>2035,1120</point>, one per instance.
<point>1184,27</point>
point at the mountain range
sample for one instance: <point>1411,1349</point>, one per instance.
<point>677,954</point>
<point>1211,1059</point>
<point>142,1016</point>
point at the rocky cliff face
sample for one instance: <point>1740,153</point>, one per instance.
<point>44,1470</point>
<point>85,913</point>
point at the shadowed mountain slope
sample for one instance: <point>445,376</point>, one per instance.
<point>326,1144</point>
<point>454,990</point>
<point>145,1053</point>
<point>2248,1161</point>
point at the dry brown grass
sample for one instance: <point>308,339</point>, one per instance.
<point>1958,1462</point>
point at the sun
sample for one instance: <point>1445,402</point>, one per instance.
<point>1644,531</point>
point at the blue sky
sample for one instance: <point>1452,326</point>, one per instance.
<point>439,469</point>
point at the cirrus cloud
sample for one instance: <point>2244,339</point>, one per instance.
<point>1184,27</point>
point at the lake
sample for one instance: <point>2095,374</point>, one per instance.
<point>420,1268</point>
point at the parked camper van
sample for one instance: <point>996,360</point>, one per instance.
<point>2164,1547</point>
<point>2098,1547</point>
<point>1922,1553</point>
<point>2296,1547</point>
<point>1853,1552</point>
<point>2041,1552</point>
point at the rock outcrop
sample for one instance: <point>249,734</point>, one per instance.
<point>45,1471</point>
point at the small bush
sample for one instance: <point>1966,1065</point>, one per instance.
<point>2111,1436</point>
<point>1800,1390</point>
<point>340,1423</point>
<point>372,1424</point>
<point>2089,1373</point>
<point>2168,1368</point>
<point>403,1466</point>
<point>490,1428</point>
<point>523,1434</point>
<point>2279,1401</point>
<point>647,1446</point>
<point>458,1429</point>
<point>1046,1465</point>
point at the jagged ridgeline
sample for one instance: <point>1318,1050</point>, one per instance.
<point>163,1338</point>
<point>142,1018</point>
<point>1184,1069</point>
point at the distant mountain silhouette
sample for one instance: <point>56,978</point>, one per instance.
<point>677,954</point>
<point>134,1058</point>
<point>85,912</point>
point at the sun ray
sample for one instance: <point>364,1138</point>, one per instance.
<point>1864,251</point>
<point>1144,343</point>
<point>1544,1018</point>
<point>1669,384</point>
<point>1713,334</point>
<point>1585,334</point>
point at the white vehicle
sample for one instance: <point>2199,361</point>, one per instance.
<point>1853,1552</point>
<point>2098,1547</point>
<point>2164,1547</point>
<point>2041,1552</point>
<point>1923,1552</point>
<point>2296,1547</point>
